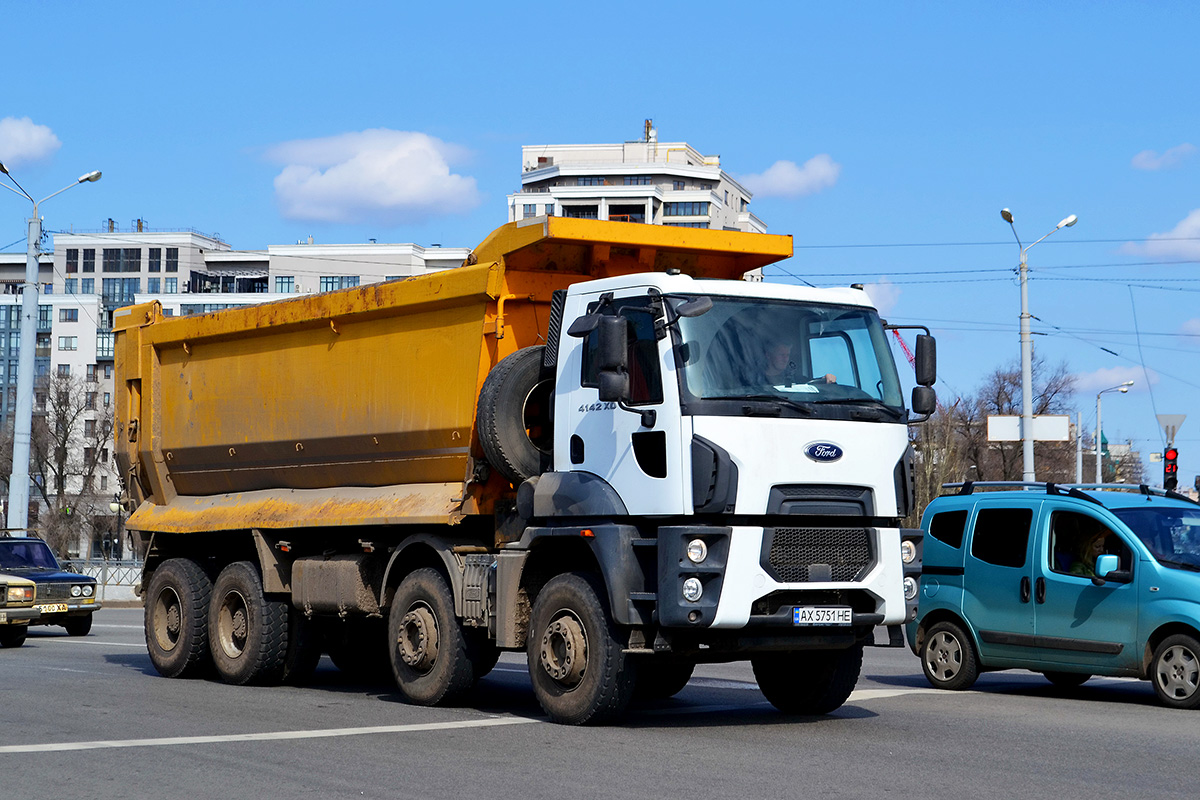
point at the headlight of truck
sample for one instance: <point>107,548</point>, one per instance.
<point>20,594</point>
<point>908,551</point>
<point>697,551</point>
<point>88,589</point>
<point>76,591</point>
<point>910,589</point>
<point>692,590</point>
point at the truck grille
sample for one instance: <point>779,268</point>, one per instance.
<point>801,555</point>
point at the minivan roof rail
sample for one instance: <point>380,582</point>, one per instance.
<point>1069,489</point>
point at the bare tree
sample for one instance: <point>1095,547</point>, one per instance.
<point>71,444</point>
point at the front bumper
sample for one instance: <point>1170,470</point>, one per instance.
<point>18,616</point>
<point>77,607</point>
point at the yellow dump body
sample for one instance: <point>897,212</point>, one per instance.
<point>357,407</point>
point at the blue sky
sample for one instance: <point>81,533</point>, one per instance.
<point>270,122</point>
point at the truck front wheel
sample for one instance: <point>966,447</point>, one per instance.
<point>576,663</point>
<point>808,681</point>
<point>176,618</point>
<point>429,652</point>
<point>247,631</point>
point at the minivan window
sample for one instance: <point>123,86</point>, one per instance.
<point>1002,536</point>
<point>1076,540</point>
<point>1171,534</point>
<point>948,527</point>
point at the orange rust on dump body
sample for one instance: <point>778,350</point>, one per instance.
<point>372,387</point>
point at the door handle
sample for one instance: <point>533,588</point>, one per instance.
<point>1025,589</point>
<point>1041,590</point>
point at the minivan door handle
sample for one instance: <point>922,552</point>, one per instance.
<point>1025,589</point>
<point>1041,590</point>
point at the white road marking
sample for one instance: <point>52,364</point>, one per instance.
<point>326,733</point>
<point>80,640</point>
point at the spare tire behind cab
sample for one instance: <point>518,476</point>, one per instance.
<point>513,417</point>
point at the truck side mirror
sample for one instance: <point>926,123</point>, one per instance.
<point>612,358</point>
<point>924,400</point>
<point>926,360</point>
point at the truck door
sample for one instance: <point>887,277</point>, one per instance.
<point>998,582</point>
<point>638,453</point>
<point>1078,622</point>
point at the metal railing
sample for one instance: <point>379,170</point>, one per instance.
<point>110,572</point>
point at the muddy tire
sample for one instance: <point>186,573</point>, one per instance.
<point>303,649</point>
<point>429,653</point>
<point>247,632</point>
<point>513,417</point>
<point>808,681</point>
<point>13,635</point>
<point>579,673</point>
<point>79,626</point>
<point>176,618</point>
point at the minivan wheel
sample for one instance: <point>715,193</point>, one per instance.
<point>1175,671</point>
<point>948,657</point>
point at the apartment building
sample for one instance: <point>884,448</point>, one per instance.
<point>647,181</point>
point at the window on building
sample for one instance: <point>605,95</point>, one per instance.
<point>89,401</point>
<point>581,212</point>
<point>39,400</point>
<point>171,285</point>
<point>694,209</point>
<point>71,285</point>
<point>89,455</point>
<point>89,260</point>
<point>87,286</point>
<point>68,343</point>
<point>172,259</point>
<point>685,224</point>
<point>104,483</point>
<point>153,285</point>
<point>44,316</point>
<point>107,399</point>
<point>529,210</point>
<point>330,283</point>
<point>678,185</point>
<point>285,283</point>
<point>589,180</point>
<point>68,315</point>
<point>41,348</point>
<point>64,370</point>
<point>89,427</point>
<point>108,370</point>
<point>131,259</point>
<point>104,348</point>
<point>91,372</point>
<point>637,180</point>
<point>14,343</point>
<point>110,259</point>
<point>154,260</point>
<point>706,186</point>
<point>549,209</point>
<point>72,259</point>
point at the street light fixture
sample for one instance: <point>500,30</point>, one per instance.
<point>1123,389</point>
<point>18,484</point>
<point>1027,345</point>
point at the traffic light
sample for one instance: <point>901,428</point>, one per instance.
<point>1170,468</point>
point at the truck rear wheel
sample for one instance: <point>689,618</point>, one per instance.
<point>429,652</point>
<point>513,417</point>
<point>808,681</point>
<point>303,649</point>
<point>579,671</point>
<point>247,631</point>
<point>176,618</point>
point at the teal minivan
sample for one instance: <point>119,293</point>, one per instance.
<point>1069,581</point>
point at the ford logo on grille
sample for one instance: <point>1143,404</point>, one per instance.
<point>823,451</point>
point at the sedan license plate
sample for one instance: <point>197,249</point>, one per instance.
<point>821,615</point>
<point>53,608</point>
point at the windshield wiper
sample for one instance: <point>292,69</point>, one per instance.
<point>758,399</point>
<point>861,401</point>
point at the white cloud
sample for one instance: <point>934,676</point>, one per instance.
<point>884,295</point>
<point>785,179</point>
<point>1190,331</point>
<point>1182,241</point>
<point>22,141</point>
<point>1108,377</point>
<point>379,175</point>
<point>1171,157</point>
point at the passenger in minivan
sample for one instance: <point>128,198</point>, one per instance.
<point>1085,560</point>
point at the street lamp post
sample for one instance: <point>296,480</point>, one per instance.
<point>18,484</point>
<point>1123,389</point>
<point>1027,346</point>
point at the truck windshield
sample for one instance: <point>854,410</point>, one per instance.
<point>1172,535</point>
<point>802,356</point>
<point>26,555</point>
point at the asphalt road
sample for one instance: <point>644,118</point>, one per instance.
<point>89,717</point>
